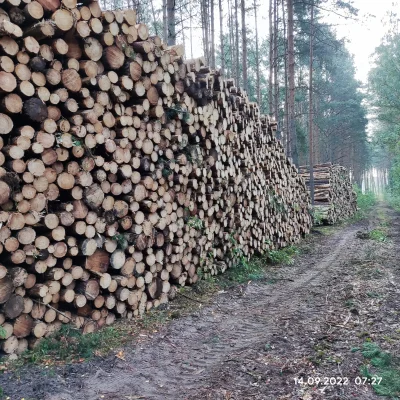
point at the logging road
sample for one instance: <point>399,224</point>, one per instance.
<point>253,340</point>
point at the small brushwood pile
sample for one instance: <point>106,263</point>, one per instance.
<point>334,197</point>
<point>125,171</point>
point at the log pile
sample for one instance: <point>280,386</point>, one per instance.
<point>124,171</point>
<point>334,197</point>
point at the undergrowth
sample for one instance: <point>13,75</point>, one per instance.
<point>364,202</point>
<point>283,256</point>
<point>256,268</point>
<point>378,235</point>
<point>70,345</point>
<point>382,364</point>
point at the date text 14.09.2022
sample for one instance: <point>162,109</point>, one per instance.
<point>338,381</point>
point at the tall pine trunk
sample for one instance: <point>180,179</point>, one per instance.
<point>291,98</point>
<point>258,88</point>
<point>231,70</point>
<point>191,30</point>
<point>276,63</point>
<point>271,58</point>
<point>244,47</point>
<point>221,32</point>
<point>237,70</point>
<point>154,17</point>
<point>165,21</point>
<point>212,61</point>
<point>205,27</point>
<point>171,22</point>
<point>310,102</point>
<point>286,139</point>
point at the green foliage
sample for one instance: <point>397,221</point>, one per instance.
<point>244,271</point>
<point>384,86</point>
<point>317,216</point>
<point>364,200</point>
<point>76,142</point>
<point>282,256</point>
<point>121,240</point>
<point>196,223</point>
<point>3,333</point>
<point>384,365</point>
<point>378,235</point>
<point>237,253</point>
<point>70,344</point>
<point>176,111</point>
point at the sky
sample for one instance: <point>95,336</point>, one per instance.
<point>365,34</point>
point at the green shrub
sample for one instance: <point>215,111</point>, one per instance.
<point>382,364</point>
<point>364,200</point>
<point>282,256</point>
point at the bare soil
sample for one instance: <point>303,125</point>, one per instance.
<point>252,341</point>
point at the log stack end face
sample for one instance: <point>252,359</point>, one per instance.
<point>334,197</point>
<point>124,170</point>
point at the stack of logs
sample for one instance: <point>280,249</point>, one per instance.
<point>125,171</point>
<point>334,197</point>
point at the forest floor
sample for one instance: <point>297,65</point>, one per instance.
<point>330,314</point>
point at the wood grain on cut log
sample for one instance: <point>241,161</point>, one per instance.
<point>13,306</point>
<point>63,19</point>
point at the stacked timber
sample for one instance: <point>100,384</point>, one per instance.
<point>334,197</point>
<point>124,171</point>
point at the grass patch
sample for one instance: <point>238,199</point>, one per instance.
<point>378,235</point>
<point>70,345</point>
<point>243,272</point>
<point>382,364</point>
<point>365,201</point>
<point>283,256</point>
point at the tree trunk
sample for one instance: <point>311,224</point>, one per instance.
<point>276,56</point>
<point>204,23</point>
<point>271,59</point>
<point>230,71</point>
<point>191,31</point>
<point>244,47</point>
<point>310,101</point>
<point>212,36</point>
<point>258,88</point>
<point>171,23</point>
<point>154,17</point>
<point>237,70</point>
<point>286,139</point>
<point>291,118</point>
<point>165,23</point>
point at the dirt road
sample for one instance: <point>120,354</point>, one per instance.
<point>260,340</point>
